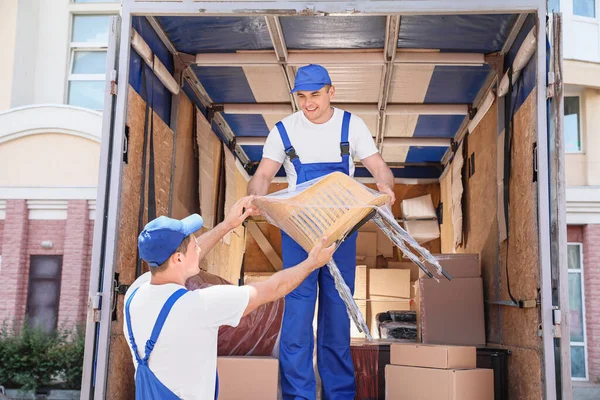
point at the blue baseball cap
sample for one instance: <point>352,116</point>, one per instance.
<point>311,77</point>
<point>161,237</point>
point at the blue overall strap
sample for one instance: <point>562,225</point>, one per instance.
<point>160,321</point>
<point>345,143</point>
<point>287,145</point>
<point>128,320</point>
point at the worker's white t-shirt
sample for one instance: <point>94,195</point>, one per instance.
<point>184,358</point>
<point>319,143</point>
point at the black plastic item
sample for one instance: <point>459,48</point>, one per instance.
<point>497,360</point>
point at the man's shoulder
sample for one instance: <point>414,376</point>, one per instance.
<point>292,118</point>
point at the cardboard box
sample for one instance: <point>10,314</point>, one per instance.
<point>418,208</point>
<point>370,262</point>
<point>366,244</point>
<point>362,306</point>
<point>415,271</point>
<point>387,283</point>
<point>360,282</point>
<point>385,247</point>
<point>457,265</point>
<point>451,312</point>
<point>422,231</point>
<point>433,356</point>
<point>410,383</point>
<point>377,306</point>
<point>250,378</point>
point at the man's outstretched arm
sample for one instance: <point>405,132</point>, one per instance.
<point>241,210</point>
<point>283,282</point>
<point>259,184</point>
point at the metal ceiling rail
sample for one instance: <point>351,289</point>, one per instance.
<point>389,141</point>
<point>363,58</point>
<point>356,108</point>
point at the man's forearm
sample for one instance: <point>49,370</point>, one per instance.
<point>208,240</point>
<point>384,176</point>
<point>282,282</point>
<point>258,186</point>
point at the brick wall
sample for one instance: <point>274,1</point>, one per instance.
<point>591,265</point>
<point>75,260</point>
<point>14,243</point>
<point>1,234</point>
<point>21,238</point>
<point>575,234</point>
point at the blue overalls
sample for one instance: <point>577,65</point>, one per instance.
<point>147,385</point>
<point>333,333</point>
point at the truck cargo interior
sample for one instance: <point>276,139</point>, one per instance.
<point>451,100</point>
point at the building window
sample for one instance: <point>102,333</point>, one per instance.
<point>553,6</point>
<point>43,293</point>
<point>572,123</point>
<point>584,8</point>
<point>89,42</point>
<point>577,312</point>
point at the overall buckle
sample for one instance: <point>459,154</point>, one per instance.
<point>345,148</point>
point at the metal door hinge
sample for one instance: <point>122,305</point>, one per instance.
<point>550,92</point>
<point>557,319</point>
<point>113,82</point>
<point>96,303</point>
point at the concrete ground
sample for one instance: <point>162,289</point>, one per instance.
<point>586,391</point>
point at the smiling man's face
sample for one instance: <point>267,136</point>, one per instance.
<point>316,105</point>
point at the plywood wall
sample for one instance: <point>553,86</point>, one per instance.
<point>209,148</point>
<point>121,369</point>
<point>225,259</point>
<point>507,327</point>
<point>184,199</point>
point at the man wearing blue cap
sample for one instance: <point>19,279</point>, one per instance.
<point>172,332</point>
<point>312,143</point>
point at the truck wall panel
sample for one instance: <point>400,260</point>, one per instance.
<point>523,242</point>
<point>479,204</point>
<point>120,363</point>
<point>505,326</point>
<point>185,180</point>
<point>225,259</point>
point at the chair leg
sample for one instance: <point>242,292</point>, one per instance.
<point>346,296</point>
<point>388,224</point>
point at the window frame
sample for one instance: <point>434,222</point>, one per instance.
<point>75,47</point>
<point>579,96</point>
<point>583,18</point>
<point>583,344</point>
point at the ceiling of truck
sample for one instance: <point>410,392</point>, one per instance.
<point>364,84</point>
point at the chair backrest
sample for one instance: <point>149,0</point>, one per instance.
<point>332,207</point>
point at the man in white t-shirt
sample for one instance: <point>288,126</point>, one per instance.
<point>172,332</point>
<point>312,143</point>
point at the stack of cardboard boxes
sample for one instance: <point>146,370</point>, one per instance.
<point>378,289</point>
<point>421,371</point>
